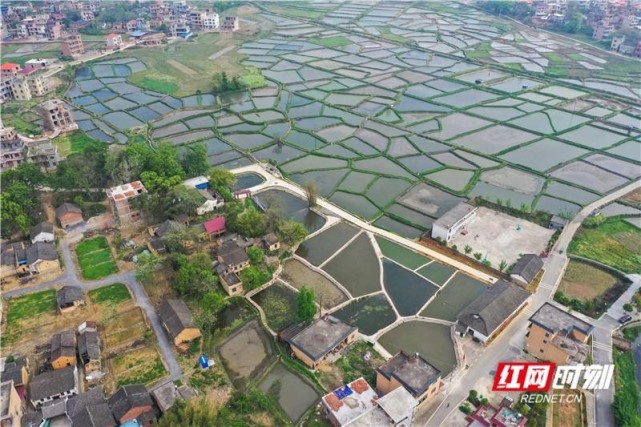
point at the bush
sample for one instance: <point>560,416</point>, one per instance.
<point>628,307</point>
<point>465,408</point>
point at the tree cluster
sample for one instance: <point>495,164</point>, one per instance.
<point>222,83</point>
<point>306,305</point>
<point>20,199</point>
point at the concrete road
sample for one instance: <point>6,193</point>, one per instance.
<point>508,344</point>
<point>129,279</point>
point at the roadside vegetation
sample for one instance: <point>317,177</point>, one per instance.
<point>616,243</point>
<point>627,395</point>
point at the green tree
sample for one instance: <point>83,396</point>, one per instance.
<point>502,265</point>
<point>195,277</point>
<point>194,160</point>
<point>251,223</point>
<point>219,177</point>
<point>182,200</point>
<point>291,232</point>
<point>212,303</point>
<point>155,183</point>
<point>189,413</point>
<point>253,277</point>
<point>311,191</point>
<point>467,249</point>
<point>306,306</point>
<point>478,255</point>
<point>146,266</point>
<point>255,255</point>
<point>628,307</point>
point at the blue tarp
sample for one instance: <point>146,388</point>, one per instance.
<point>204,361</point>
<point>343,392</point>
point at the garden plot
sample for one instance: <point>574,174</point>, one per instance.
<point>460,291</point>
<point>369,314</point>
<point>279,305</point>
<point>297,274</point>
<point>500,237</point>
<point>356,267</point>
<point>95,259</point>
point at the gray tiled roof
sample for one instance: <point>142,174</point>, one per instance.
<point>492,307</point>
<point>68,295</point>
<point>128,397</point>
<point>89,344</point>
<point>52,382</point>
<point>41,251</point>
<point>63,344</point>
<point>94,416</point>
<point>415,373</point>
<point>43,227</point>
<point>528,266</point>
<point>66,208</point>
<point>176,316</point>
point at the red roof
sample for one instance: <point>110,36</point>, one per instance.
<point>215,225</point>
<point>111,35</point>
<point>9,66</point>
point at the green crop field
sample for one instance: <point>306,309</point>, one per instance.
<point>614,243</point>
<point>337,41</point>
<point>113,294</point>
<point>31,305</point>
<point>95,258</point>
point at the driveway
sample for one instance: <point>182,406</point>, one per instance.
<point>129,279</point>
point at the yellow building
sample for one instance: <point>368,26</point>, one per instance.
<point>312,344</point>
<point>557,336</point>
<point>63,350</point>
<point>412,372</point>
<point>177,320</point>
<point>10,406</point>
<point>232,284</point>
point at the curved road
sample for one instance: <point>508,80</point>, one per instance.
<point>508,345</point>
<point>129,279</point>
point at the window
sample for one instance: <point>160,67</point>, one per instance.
<point>541,351</point>
<point>545,341</point>
<point>547,334</point>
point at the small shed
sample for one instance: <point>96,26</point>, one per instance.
<point>69,215</point>
<point>68,298</point>
<point>178,321</point>
<point>558,222</point>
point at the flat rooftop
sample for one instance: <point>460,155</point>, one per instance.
<point>322,336</point>
<point>553,319</point>
<point>126,191</point>
<point>415,373</point>
<point>454,215</point>
<point>349,402</point>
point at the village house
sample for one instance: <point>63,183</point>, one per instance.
<point>491,311</point>
<point>14,259</point>
<point>42,232</point>
<point>72,45</point>
<point>63,349</point>
<point>448,224</point>
<point>90,409</point>
<point>12,148</point>
<point>358,405</point>
<point>51,385</point>
<point>42,258</point>
<point>204,20</point>
<point>312,344</point>
<point>526,269</point>
<point>215,227</point>
<point>557,336</point>
<point>151,39</point>
<point>37,64</point>
<point>133,402</point>
<point>24,84</point>
<point>177,320</point>
<point>10,405</point>
<point>233,257</point>
<point>56,116</point>
<point>69,215</point>
<point>89,351</point>
<point>490,416</point>
<point>412,372</point>
<point>18,372</point>
<point>120,198</point>
<point>230,23</point>
<point>271,242</point>
<point>232,284</point>
<point>557,222</point>
<point>68,298</point>
<point>44,153</point>
<point>169,393</point>
<point>113,41</point>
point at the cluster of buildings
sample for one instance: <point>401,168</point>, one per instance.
<point>23,84</point>
<point>44,153</point>
<point>32,257</point>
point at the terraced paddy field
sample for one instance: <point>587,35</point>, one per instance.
<point>395,130</point>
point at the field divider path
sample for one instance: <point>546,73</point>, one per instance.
<point>339,250</point>
<point>326,275</point>
<point>271,181</point>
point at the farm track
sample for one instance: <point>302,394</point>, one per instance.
<point>70,277</point>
